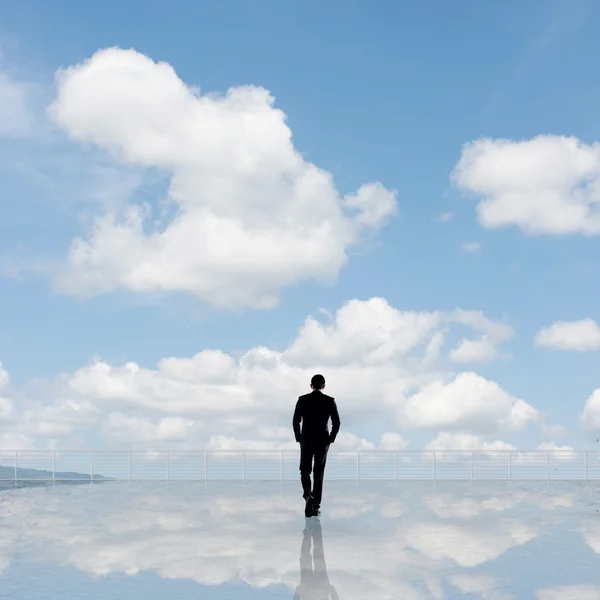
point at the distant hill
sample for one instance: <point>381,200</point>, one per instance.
<point>8,473</point>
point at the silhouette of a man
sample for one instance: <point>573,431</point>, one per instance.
<point>314,410</point>
<point>314,582</point>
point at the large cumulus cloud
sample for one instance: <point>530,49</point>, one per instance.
<point>249,215</point>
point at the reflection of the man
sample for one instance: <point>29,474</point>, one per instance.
<point>314,582</point>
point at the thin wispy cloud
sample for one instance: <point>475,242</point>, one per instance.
<point>471,247</point>
<point>562,19</point>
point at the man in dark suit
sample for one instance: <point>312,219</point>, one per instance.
<point>314,410</point>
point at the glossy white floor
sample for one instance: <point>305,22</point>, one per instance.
<point>250,540</point>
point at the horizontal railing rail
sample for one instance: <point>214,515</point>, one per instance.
<point>102,465</point>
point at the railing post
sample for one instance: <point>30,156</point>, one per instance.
<point>130,465</point>
<point>92,465</point>
<point>434,465</point>
<point>586,465</point>
<point>510,464</point>
<point>54,465</point>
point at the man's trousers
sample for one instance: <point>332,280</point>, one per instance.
<point>313,451</point>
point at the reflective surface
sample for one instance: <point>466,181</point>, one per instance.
<point>250,540</point>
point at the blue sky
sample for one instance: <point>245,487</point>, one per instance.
<point>384,93</point>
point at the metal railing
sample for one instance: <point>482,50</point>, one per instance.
<point>102,465</point>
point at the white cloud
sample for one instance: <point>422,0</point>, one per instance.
<point>252,215</point>
<point>590,417</point>
<point>469,401</point>
<point>7,409</point>
<point>583,336</point>
<point>482,350</point>
<point>121,428</point>
<point>4,378</point>
<point>392,441</point>
<point>26,425</point>
<point>471,247</point>
<point>563,453</point>
<point>476,319</point>
<point>351,330</point>
<point>548,185</point>
<point>387,368</point>
<point>9,438</point>
<point>373,332</point>
<point>465,441</point>
<point>16,441</point>
<point>446,217</point>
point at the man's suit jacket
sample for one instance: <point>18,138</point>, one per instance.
<point>315,410</point>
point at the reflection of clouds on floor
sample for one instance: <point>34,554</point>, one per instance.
<point>468,545</point>
<point>449,506</point>
<point>381,542</point>
<point>591,534</point>
<point>483,586</point>
<point>6,543</point>
<point>570,592</point>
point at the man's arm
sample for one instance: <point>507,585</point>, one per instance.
<point>335,421</point>
<point>296,420</point>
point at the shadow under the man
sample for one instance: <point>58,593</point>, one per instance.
<point>314,581</point>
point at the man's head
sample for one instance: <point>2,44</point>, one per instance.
<point>317,382</point>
